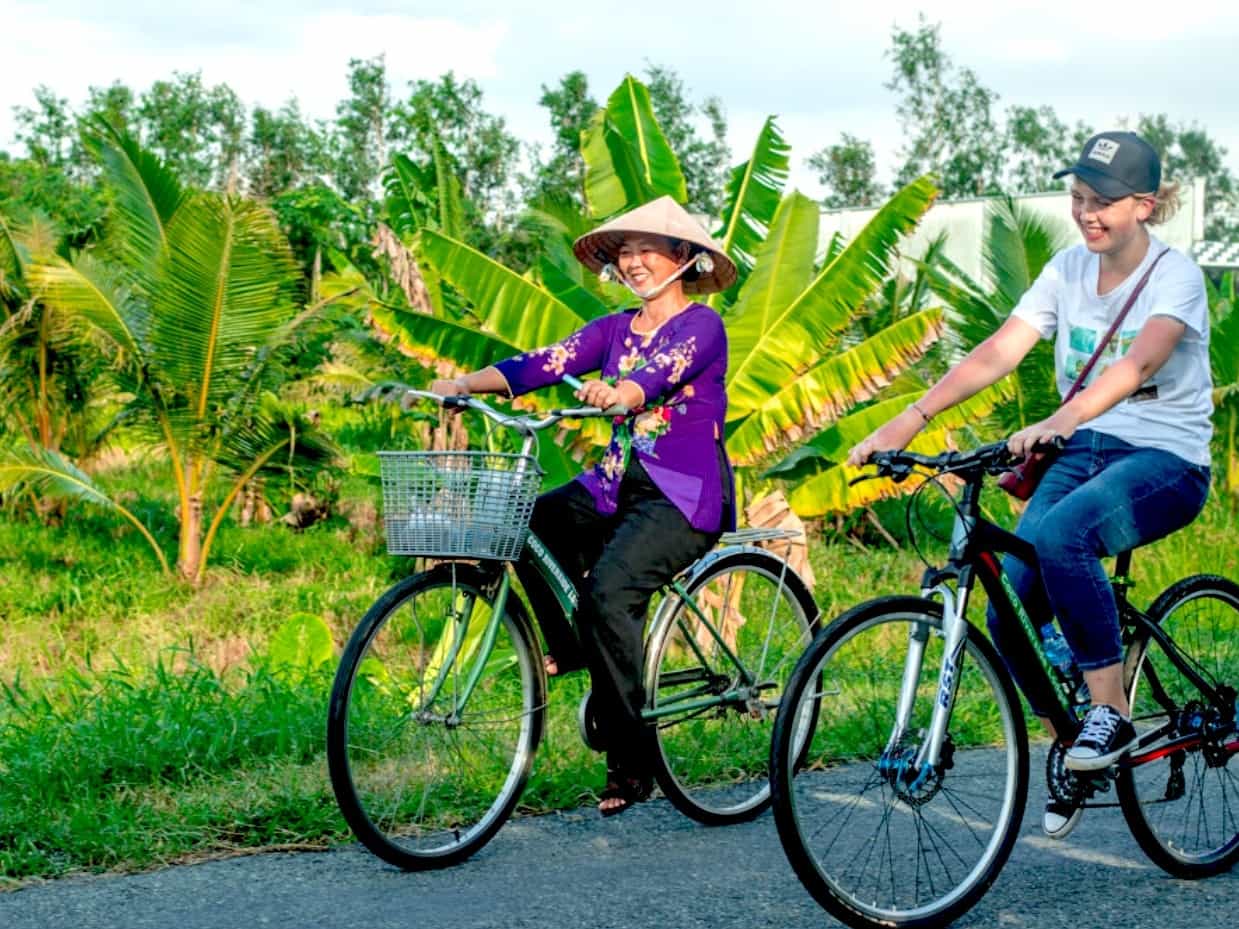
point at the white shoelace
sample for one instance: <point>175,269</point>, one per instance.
<point>1100,725</point>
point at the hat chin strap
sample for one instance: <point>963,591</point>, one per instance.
<point>702,262</point>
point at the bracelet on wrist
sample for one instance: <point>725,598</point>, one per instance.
<point>925,416</point>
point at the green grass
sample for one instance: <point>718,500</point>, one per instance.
<point>140,721</point>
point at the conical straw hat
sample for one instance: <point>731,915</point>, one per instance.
<point>662,217</point>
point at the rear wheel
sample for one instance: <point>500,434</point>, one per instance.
<point>738,634</point>
<point>1180,791</point>
<point>877,838</point>
<point>424,775</point>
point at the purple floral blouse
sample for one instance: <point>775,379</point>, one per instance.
<point>676,435</point>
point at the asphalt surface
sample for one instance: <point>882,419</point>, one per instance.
<point>649,868</point>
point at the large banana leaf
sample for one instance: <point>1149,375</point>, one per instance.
<point>510,307</point>
<point>830,447</point>
<point>228,282</point>
<point>571,292</point>
<point>627,158</point>
<point>146,195</point>
<point>418,197</point>
<point>827,390</point>
<point>1224,353</point>
<point>430,339</point>
<point>806,328</point>
<point>828,491</point>
<point>754,193</point>
<point>784,268</point>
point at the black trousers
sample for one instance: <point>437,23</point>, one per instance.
<point>617,563</point>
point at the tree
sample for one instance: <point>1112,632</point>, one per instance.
<point>195,299</point>
<point>481,151</point>
<point>1187,152</point>
<point>47,130</point>
<point>360,140</point>
<point>282,151</point>
<point>1039,144</point>
<point>197,130</point>
<point>791,371</point>
<point>848,173</point>
<point>562,176</point>
<point>703,159</point>
<point>946,114</point>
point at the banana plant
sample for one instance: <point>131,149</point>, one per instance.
<point>195,297</point>
<point>754,193</point>
<point>788,371</point>
<point>627,158</point>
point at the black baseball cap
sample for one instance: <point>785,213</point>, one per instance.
<point>1117,164</point>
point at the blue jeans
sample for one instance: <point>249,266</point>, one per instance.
<point>1100,497</point>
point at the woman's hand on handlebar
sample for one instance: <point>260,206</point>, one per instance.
<point>605,396</point>
<point>452,388</point>
<point>1062,424</point>
<point>894,434</point>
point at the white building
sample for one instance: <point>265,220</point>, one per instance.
<point>964,223</point>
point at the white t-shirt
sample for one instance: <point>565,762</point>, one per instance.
<point>1172,410</point>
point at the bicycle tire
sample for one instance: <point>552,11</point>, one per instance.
<point>712,763</point>
<point>1182,806</point>
<point>421,785</point>
<point>847,810</point>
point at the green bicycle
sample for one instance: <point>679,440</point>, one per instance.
<point>439,701</point>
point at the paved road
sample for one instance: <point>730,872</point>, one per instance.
<point>648,868</point>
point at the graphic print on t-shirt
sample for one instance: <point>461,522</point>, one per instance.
<point>1082,342</point>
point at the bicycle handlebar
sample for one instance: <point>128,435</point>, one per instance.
<point>521,423</point>
<point>993,458</point>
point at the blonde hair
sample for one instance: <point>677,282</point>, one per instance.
<point>1167,205</point>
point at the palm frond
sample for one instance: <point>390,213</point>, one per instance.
<point>509,307</point>
<point>829,448</point>
<point>147,194</point>
<point>50,474</point>
<point>825,486</point>
<point>784,268</point>
<point>97,294</point>
<point>227,284</point>
<point>10,264</point>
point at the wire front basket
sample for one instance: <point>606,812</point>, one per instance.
<point>458,504</point>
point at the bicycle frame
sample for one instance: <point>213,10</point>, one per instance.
<point>975,544</point>
<point>566,597</point>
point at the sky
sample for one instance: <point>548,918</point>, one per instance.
<point>819,66</point>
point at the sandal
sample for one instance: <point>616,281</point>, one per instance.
<point>554,669</point>
<point>628,790</point>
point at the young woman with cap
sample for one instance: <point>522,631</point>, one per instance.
<point>1136,462</point>
<point>662,492</point>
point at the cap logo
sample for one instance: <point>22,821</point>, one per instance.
<point>1104,150</point>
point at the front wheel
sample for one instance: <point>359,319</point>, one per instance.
<point>876,837</point>
<point>425,769</point>
<point>1180,789</point>
<point>720,655</point>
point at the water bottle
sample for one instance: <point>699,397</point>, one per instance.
<point>1059,654</point>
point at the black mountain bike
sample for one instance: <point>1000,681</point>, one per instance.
<point>909,797</point>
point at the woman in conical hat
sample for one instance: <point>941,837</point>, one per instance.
<point>663,491</point>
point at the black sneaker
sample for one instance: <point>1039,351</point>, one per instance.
<point>1104,739</point>
<point>1060,818</point>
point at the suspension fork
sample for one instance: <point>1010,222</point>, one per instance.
<point>954,630</point>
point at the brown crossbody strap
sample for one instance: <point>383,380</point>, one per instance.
<point>1114,327</point>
